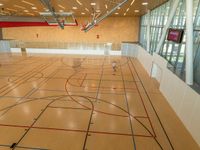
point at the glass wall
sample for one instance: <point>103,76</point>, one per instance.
<point>143,31</point>
<point>173,52</point>
<point>197,44</point>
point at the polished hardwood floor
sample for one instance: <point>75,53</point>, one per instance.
<point>63,102</point>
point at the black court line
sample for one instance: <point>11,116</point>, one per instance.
<point>21,81</point>
<point>23,147</point>
<point>79,92</point>
<point>21,77</point>
<point>152,105</point>
<point>89,124</point>
<point>31,92</point>
<point>92,109</point>
<point>35,120</point>
<point>154,136</point>
<point>127,104</point>
<point>19,100</point>
<point>98,88</point>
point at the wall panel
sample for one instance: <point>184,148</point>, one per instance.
<point>112,29</point>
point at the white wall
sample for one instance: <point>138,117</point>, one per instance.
<point>183,99</point>
<point>4,46</point>
<point>31,51</point>
<point>135,50</point>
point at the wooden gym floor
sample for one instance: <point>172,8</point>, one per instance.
<point>79,103</point>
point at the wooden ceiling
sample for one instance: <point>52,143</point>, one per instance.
<point>79,7</point>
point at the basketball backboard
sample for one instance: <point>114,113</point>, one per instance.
<point>64,18</point>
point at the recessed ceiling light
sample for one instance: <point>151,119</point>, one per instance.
<point>116,13</point>
<point>74,8</point>
<point>93,4</point>
<point>136,11</point>
<point>1,4</point>
<point>124,14</point>
<point>145,3</point>
<point>33,8</point>
<point>82,13</point>
<point>61,11</point>
<point>118,8</point>
<point>26,11</point>
<point>30,14</point>
<point>98,10</point>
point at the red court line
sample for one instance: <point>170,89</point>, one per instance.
<point>140,117</point>
<point>101,87</point>
<point>124,134</point>
<point>73,130</point>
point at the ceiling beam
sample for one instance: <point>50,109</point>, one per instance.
<point>47,4</point>
<point>98,20</point>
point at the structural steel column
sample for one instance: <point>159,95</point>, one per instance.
<point>189,42</point>
<point>148,30</point>
<point>165,29</point>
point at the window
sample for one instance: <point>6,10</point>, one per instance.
<point>174,53</point>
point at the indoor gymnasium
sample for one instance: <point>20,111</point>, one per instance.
<point>99,74</point>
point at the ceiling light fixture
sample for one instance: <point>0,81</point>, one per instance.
<point>87,9</point>
<point>74,8</point>
<point>136,11</point>
<point>1,4</point>
<point>79,2</point>
<point>106,6</point>
<point>132,2</point>
<point>93,4</point>
<point>11,9</point>
<point>28,3</point>
<point>33,8</point>
<point>145,3</point>
<point>30,14</point>
<point>61,6</point>
<point>19,6</point>
<point>98,11</point>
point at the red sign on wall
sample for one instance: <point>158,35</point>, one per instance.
<point>175,35</point>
